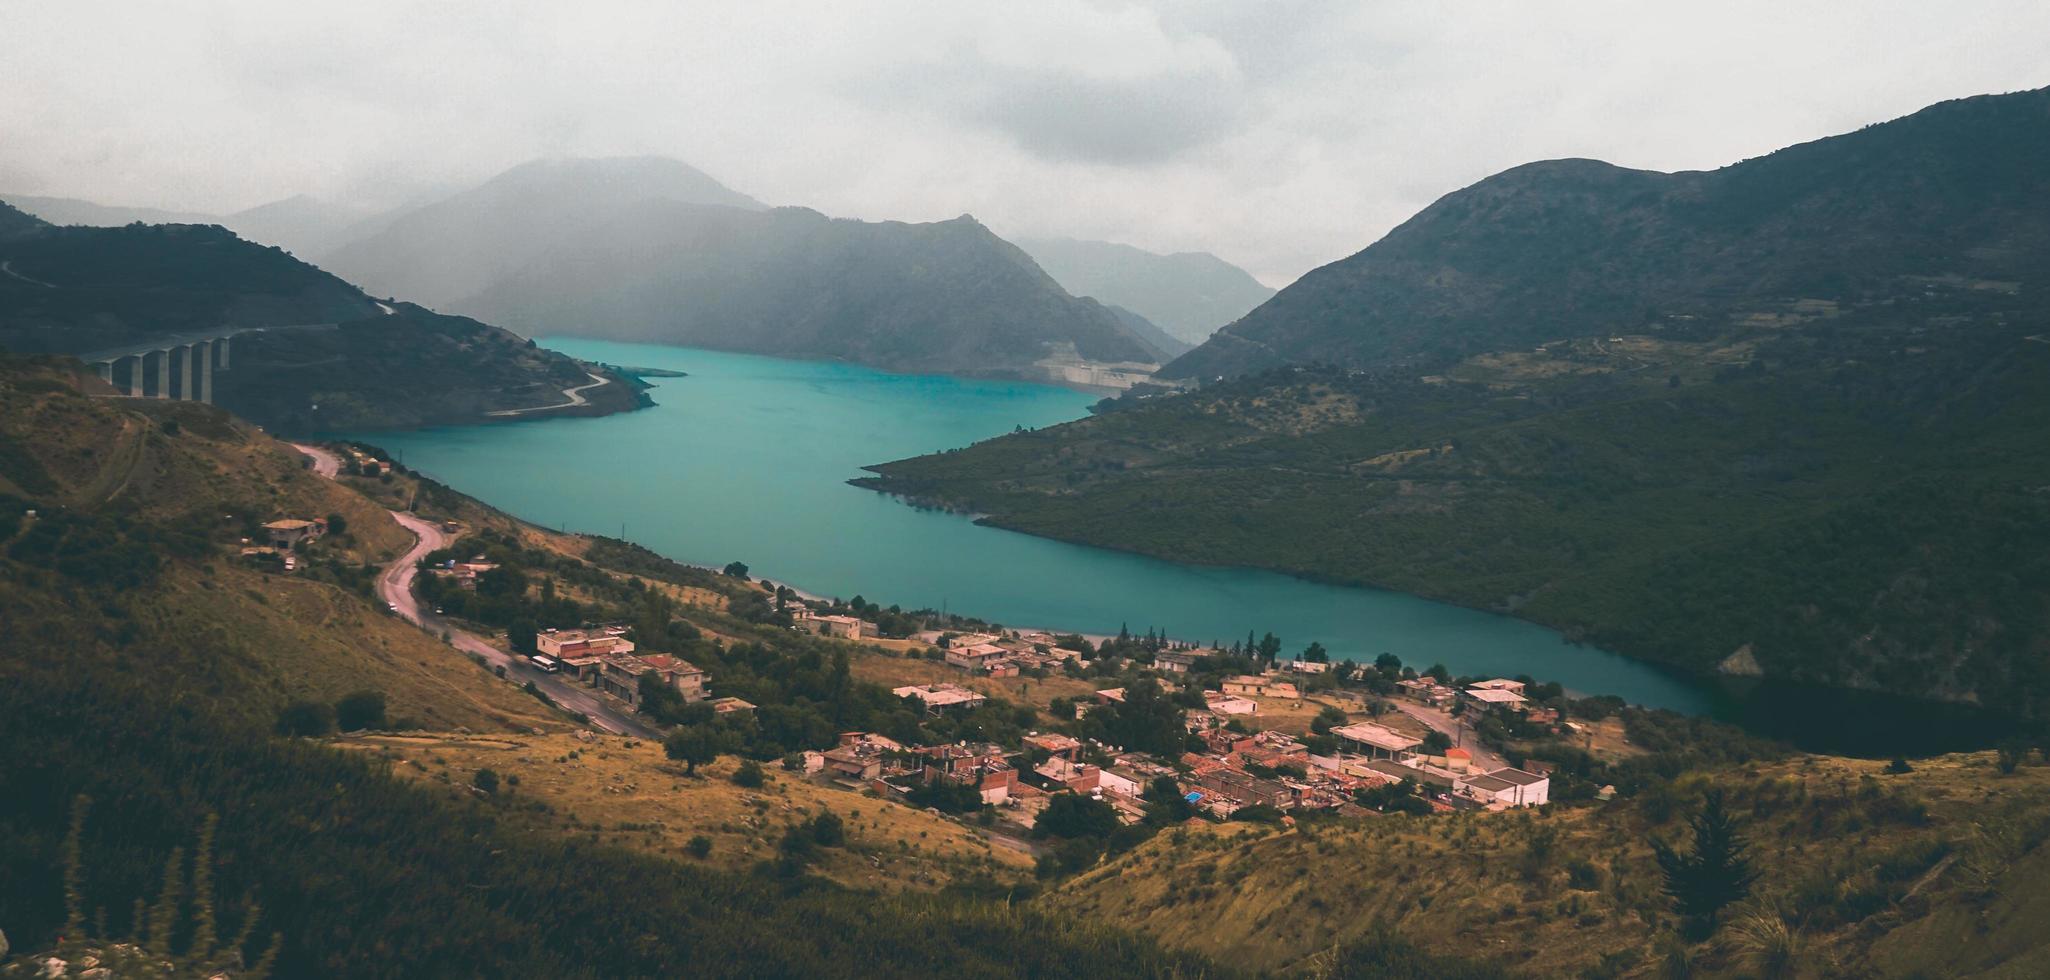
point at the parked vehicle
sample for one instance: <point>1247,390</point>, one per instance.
<point>546,665</point>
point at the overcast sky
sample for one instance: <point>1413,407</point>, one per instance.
<point>1279,135</point>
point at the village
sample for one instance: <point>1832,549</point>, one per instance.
<point>1228,765</point>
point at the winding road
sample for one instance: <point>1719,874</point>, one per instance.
<point>575,396</point>
<point>395,586</point>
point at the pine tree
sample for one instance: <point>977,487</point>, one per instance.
<point>1714,875</point>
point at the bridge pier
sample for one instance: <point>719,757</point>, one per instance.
<point>135,376</point>
<point>106,369</point>
<point>164,373</point>
<point>206,370</point>
<point>224,352</point>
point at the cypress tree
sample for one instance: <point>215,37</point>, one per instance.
<point>1715,874</point>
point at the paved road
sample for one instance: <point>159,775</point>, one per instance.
<point>8,267</point>
<point>575,396</point>
<point>325,463</point>
<point>1484,758</point>
<point>395,586</point>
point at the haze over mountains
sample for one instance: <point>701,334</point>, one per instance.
<point>654,250</point>
<point>1188,294</point>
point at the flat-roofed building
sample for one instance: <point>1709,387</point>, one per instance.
<point>941,698</point>
<point>1510,787</point>
<point>1376,741</point>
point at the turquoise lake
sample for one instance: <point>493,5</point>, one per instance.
<point>747,459</point>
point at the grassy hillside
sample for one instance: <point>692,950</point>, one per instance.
<point>144,669</point>
<point>1871,873</point>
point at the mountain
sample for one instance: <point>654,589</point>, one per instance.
<point>445,252</point>
<point>947,297</point>
<point>1189,294</point>
<point>1578,247</point>
<point>348,362</point>
<point>305,226</point>
<point>653,251</point>
<point>71,211</point>
<point>1795,426</point>
<point>1149,332</point>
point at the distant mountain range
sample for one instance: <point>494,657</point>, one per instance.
<point>1188,294</point>
<point>651,249</point>
<point>1575,247</point>
<point>303,225</point>
<point>1790,418</point>
<point>74,290</point>
<point>654,250</point>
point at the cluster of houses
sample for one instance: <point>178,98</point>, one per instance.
<point>603,658</point>
<point>1233,769</point>
<point>1008,655</point>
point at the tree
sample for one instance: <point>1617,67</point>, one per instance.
<point>2009,755</point>
<point>337,524</point>
<point>504,582</point>
<point>1714,874</point>
<point>1437,741</point>
<point>360,710</point>
<point>1316,654</point>
<point>1270,647</point>
<point>1069,816</point>
<point>486,780</point>
<point>1165,803</point>
<point>749,775</point>
<point>693,745</point>
<point>828,830</point>
<point>309,719</point>
<point>1327,719</point>
<point>699,846</point>
<point>1388,664</point>
<point>736,570</point>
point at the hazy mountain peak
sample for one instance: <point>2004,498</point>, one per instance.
<point>1187,294</point>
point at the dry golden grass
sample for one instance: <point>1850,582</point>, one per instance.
<point>879,668</point>
<point>625,792</point>
<point>308,640</point>
<point>1825,832</point>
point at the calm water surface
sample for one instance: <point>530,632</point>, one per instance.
<point>747,459</point>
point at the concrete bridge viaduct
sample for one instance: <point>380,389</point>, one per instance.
<point>180,367</point>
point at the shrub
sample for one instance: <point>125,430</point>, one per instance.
<point>699,846</point>
<point>360,710</point>
<point>486,780</point>
<point>749,775</point>
<point>308,719</point>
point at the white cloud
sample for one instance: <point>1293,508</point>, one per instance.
<point>1279,135</point>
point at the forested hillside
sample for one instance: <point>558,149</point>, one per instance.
<point>1572,248</point>
<point>1825,477</point>
<point>347,361</point>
